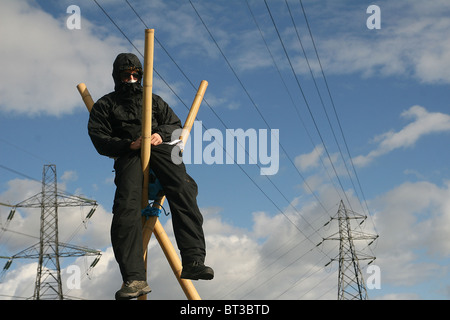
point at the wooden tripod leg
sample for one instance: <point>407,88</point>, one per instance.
<point>86,96</point>
<point>147,112</point>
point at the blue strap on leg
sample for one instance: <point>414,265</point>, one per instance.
<point>150,211</point>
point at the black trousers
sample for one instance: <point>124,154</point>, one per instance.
<point>181,192</point>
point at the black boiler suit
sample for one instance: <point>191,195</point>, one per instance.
<point>114,122</point>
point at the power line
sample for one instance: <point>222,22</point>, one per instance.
<point>332,103</point>
<point>18,173</point>
<point>293,103</point>
<point>23,150</point>
<point>307,103</point>
<point>319,94</point>
<point>259,112</point>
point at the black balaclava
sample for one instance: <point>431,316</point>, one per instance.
<point>123,62</point>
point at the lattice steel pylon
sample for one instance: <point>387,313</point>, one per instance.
<point>351,284</point>
<point>48,285</point>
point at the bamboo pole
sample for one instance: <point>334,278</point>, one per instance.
<point>147,112</point>
<point>193,111</point>
<point>86,96</point>
<point>152,224</point>
<point>147,120</point>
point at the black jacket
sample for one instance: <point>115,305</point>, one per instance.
<point>114,123</point>
<point>116,118</point>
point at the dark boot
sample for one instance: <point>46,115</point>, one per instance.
<point>197,270</point>
<point>133,289</point>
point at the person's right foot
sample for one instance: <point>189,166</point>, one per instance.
<point>133,289</point>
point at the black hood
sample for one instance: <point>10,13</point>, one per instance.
<point>126,61</point>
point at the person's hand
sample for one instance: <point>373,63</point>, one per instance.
<point>155,139</point>
<point>136,145</point>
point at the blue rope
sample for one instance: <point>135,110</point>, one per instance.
<point>151,211</point>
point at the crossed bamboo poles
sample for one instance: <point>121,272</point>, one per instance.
<point>151,224</point>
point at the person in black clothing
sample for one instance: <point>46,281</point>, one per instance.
<point>115,130</point>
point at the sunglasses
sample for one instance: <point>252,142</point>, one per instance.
<point>126,75</point>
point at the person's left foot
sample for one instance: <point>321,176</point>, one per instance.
<point>197,270</point>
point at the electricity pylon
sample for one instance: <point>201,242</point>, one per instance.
<point>351,284</point>
<point>48,283</point>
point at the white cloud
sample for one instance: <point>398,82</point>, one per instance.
<point>413,40</point>
<point>415,215</point>
<point>69,176</point>
<point>310,160</point>
<point>425,123</point>
<point>17,283</point>
<point>413,222</point>
<point>44,61</point>
<point>276,258</point>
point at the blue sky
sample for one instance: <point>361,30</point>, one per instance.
<point>389,88</point>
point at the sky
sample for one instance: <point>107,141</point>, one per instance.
<point>356,113</point>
